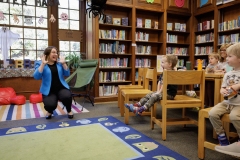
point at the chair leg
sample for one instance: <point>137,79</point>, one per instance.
<point>126,114</point>
<point>201,135</point>
<point>164,123</point>
<point>153,115</point>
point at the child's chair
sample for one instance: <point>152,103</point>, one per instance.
<point>183,101</point>
<point>141,75</point>
<point>202,142</point>
<point>128,94</point>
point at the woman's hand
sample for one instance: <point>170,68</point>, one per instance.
<point>43,58</point>
<point>62,60</point>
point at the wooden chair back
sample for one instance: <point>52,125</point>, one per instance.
<point>184,78</point>
<point>151,76</point>
<point>180,101</point>
<point>141,76</point>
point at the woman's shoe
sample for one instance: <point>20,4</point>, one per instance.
<point>70,116</point>
<point>48,116</point>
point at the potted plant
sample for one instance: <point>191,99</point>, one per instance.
<point>73,60</point>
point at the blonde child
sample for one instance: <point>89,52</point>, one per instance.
<point>213,67</point>
<point>231,105</point>
<point>168,63</point>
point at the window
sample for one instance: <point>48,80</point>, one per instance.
<point>31,24</point>
<point>69,9</point>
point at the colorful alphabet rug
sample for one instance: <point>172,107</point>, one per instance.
<point>95,138</point>
<point>30,110</point>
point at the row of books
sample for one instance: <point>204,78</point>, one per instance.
<point>116,21</point>
<point>140,36</point>
<point>205,25</point>
<point>112,76</point>
<point>177,27</point>
<point>177,51</point>
<point>141,49</point>
<point>108,90</point>
<point>114,48</point>
<point>223,1</point>
<point>112,34</point>
<point>142,62</point>
<point>147,24</point>
<point>172,38</point>
<point>229,25</point>
<point>203,50</point>
<point>113,62</point>
<point>205,38</point>
<point>232,38</point>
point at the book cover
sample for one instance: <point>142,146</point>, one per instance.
<point>159,61</point>
<point>177,26</point>
<point>169,26</point>
<point>183,27</point>
<point>204,25</point>
<point>125,21</point>
<point>108,19</point>
<point>116,21</point>
<point>155,24</point>
<point>238,21</point>
<point>139,22</point>
<point>219,2</point>
<point>148,23</point>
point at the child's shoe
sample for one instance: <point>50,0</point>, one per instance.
<point>136,110</point>
<point>137,104</point>
<point>223,140</point>
<point>232,149</point>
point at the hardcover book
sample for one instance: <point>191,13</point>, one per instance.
<point>238,21</point>
<point>169,26</point>
<point>155,24</point>
<point>148,23</point>
<point>177,26</point>
<point>116,21</point>
<point>139,22</point>
<point>125,21</point>
<point>108,19</point>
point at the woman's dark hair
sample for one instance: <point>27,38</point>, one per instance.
<point>48,50</point>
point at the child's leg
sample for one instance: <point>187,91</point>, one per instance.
<point>141,106</point>
<point>152,100</point>
<point>215,115</point>
<point>145,99</point>
<point>234,116</point>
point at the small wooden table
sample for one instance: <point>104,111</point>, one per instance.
<point>217,78</point>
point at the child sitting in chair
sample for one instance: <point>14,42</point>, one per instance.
<point>231,104</point>
<point>213,67</point>
<point>168,63</point>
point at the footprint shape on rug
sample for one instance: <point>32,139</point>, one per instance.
<point>41,126</point>
<point>133,136</point>
<point>16,130</point>
<point>64,124</point>
<point>164,157</point>
<point>102,119</point>
<point>83,121</point>
<point>110,124</point>
<point>146,146</point>
<point>121,129</point>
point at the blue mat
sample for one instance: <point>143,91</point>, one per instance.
<point>139,146</point>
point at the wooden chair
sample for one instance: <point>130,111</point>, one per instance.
<point>180,101</point>
<point>141,76</point>
<point>202,142</point>
<point>127,94</point>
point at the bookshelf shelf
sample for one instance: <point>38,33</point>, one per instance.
<point>114,68</point>
<point>110,82</point>
<point>205,43</point>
